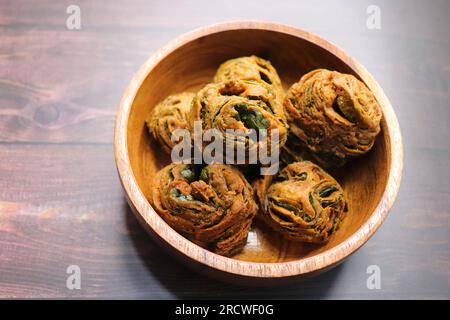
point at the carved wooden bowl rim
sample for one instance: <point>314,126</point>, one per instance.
<point>300,267</point>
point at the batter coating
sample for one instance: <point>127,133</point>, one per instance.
<point>240,105</point>
<point>212,205</point>
<point>169,115</point>
<point>305,204</point>
<point>332,115</point>
<point>249,68</point>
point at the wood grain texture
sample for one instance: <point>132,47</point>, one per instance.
<point>40,207</point>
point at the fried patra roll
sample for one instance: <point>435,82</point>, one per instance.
<point>333,115</point>
<point>211,205</point>
<point>305,204</point>
<point>240,105</point>
<point>169,115</point>
<point>249,68</point>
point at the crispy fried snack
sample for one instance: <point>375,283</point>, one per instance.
<point>212,205</point>
<point>249,68</point>
<point>240,105</point>
<point>334,116</point>
<point>306,204</point>
<point>169,115</point>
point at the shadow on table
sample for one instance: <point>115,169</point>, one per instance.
<point>183,283</point>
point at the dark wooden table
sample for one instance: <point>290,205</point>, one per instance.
<point>61,202</point>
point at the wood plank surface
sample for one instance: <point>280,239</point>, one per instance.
<point>61,202</point>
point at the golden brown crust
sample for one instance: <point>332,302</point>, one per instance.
<point>213,206</point>
<point>169,115</point>
<point>333,115</point>
<point>306,204</point>
<point>239,105</point>
<point>249,68</point>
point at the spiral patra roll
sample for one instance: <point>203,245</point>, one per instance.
<point>240,106</point>
<point>304,204</point>
<point>331,115</point>
<point>169,115</point>
<point>249,68</point>
<point>211,205</point>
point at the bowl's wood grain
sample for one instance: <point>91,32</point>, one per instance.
<point>189,62</point>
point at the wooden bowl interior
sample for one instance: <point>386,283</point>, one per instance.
<point>193,65</point>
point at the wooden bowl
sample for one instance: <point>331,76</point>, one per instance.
<point>370,182</point>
